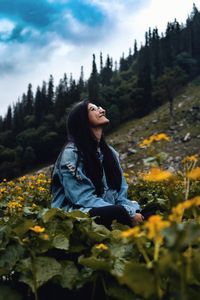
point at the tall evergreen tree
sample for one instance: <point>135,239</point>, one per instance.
<point>8,119</point>
<point>28,105</point>
<point>50,94</point>
<point>39,107</point>
<point>93,83</point>
<point>135,49</point>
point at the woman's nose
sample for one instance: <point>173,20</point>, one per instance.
<point>101,109</point>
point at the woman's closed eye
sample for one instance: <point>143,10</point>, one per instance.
<point>93,108</point>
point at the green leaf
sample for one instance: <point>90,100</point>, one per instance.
<point>40,270</point>
<point>8,293</point>
<point>97,232</point>
<point>139,279</point>
<point>4,236</point>
<point>77,214</point>
<point>95,263</point>
<point>23,227</point>
<point>149,160</point>
<point>68,275</point>
<point>9,258</point>
<point>60,241</point>
<point>161,156</point>
<point>49,214</point>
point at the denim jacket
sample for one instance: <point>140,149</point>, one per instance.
<point>74,190</point>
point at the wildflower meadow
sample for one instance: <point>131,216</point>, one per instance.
<point>47,253</point>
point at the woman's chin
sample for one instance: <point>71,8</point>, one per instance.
<point>105,121</point>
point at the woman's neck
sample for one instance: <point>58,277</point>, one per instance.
<point>97,132</point>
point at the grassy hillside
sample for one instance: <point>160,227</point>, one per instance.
<point>184,130</point>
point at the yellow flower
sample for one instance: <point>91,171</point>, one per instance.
<point>194,174</point>
<point>41,176</point>
<point>192,158</point>
<point>126,175</point>
<point>145,143</point>
<point>31,186</point>
<point>154,138</point>
<point>41,189</point>
<point>37,229</point>
<point>11,183</point>
<point>161,136</point>
<point>132,232</point>
<point>23,178</point>
<point>19,198</point>
<point>156,174</point>
<point>154,226</point>
<point>14,205</point>
<point>33,205</point>
<point>45,237</point>
<point>178,211</point>
<point>196,201</point>
<point>102,246</point>
<point>18,188</point>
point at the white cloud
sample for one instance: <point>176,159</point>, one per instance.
<point>159,13</point>
<point>124,23</point>
<point>6,27</point>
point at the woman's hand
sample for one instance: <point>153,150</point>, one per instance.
<point>138,218</point>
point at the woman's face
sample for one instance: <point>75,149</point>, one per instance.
<point>97,115</point>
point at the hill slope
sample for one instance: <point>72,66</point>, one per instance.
<point>184,130</point>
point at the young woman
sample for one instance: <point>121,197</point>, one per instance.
<point>87,174</point>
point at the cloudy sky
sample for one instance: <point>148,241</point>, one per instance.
<point>43,37</point>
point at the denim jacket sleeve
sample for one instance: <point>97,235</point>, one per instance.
<point>130,205</point>
<point>78,188</point>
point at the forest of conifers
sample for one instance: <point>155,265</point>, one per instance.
<point>33,131</point>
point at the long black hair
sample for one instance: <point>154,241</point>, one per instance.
<point>78,131</point>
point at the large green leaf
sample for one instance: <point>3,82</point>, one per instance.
<point>60,241</point>
<point>95,263</point>
<point>69,275</point>
<point>23,227</point>
<point>98,233</point>
<point>40,270</point>
<point>9,257</point>
<point>48,215</point>
<point>77,214</point>
<point>139,279</point>
<point>4,236</point>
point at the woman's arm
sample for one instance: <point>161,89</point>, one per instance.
<point>131,206</point>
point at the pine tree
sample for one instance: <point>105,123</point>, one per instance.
<point>135,49</point>
<point>93,83</point>
<point>101,62</point>
<point>106,73</point>
<point>8,119</point>
<point>38,107</point>
<point>28,101</point>
<point>50,94</point>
